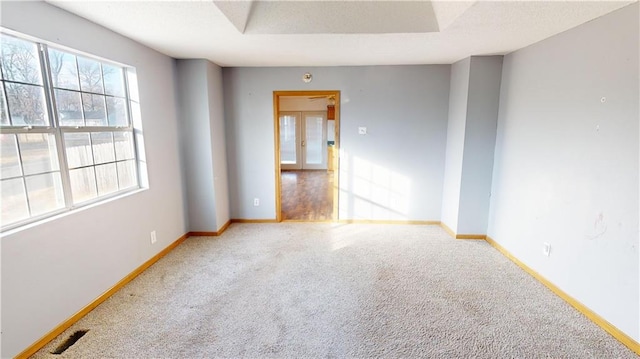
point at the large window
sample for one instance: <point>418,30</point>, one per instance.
<point>66,133</point>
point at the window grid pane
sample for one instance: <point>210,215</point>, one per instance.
<point>107,178</point>
<point>83,184</point>
<point>127,174</point>
<point>20,60</point>
<point>45,193</point>
<point>10,166</point>
<point>113,80</point>
<point>124,145</point>
<point>103,150</point>
<point>117,112</point>
<point>27,105</point>
<point>90,73</point>
<point>94,110</point>
<point>64,70</point>
<point>69,105</point>
<point>38,153</point>
<point>78,149</point>
<point>14,200</point>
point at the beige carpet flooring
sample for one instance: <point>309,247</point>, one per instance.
<point>310,290</point>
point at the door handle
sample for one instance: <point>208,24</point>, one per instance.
<point>302,143</point>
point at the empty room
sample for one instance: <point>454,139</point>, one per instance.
<point>353,179</point>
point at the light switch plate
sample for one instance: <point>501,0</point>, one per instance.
<point>546,249</point>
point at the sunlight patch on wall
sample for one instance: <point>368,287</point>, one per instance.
<point>371,191</point>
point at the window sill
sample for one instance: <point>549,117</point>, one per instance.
<point>69,212</point>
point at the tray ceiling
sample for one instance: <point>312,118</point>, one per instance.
<point>337,33</point>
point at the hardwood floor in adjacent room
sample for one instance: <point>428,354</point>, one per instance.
<point>307,195</point>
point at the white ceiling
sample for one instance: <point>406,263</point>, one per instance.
<point>334,33</point>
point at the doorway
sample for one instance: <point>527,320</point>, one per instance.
<point>306,148</point>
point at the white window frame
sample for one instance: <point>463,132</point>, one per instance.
<point>54,128</point>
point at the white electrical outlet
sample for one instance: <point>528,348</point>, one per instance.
<point>153,237</point>
<point>256,202</point>
<point>546,249</point>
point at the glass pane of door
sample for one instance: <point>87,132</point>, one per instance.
<point>290,141</point>
<point>315,140</point>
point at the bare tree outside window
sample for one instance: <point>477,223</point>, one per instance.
<point>25,92</point>
<point>64,70</point>
<point>90,73</point>
<point>20,61</point>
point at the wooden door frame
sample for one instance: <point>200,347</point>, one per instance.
<point>336,148</point>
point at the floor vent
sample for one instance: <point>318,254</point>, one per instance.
<point>73,338</point>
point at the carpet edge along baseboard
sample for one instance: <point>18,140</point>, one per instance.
<point>210,234</point>
<point>380,221</point>
<point>591,315</point>
<point>245,220</point>
<point>33,348</point>
<point>461,236</point>
<point>598,320</point>
<point>39,344</point>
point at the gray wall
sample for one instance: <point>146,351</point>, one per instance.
<point>195,141</point>
<point>51,270</point>
<point>479,144</point>
<point>396,169</point>
<point>457,121</point>
<point>218,143</point>
<point>471,134</point>
<point>203,144</point>
<point>566,164</point>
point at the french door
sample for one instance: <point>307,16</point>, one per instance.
<point>303,140</point>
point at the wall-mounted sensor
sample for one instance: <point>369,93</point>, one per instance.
<point>603,99</point>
